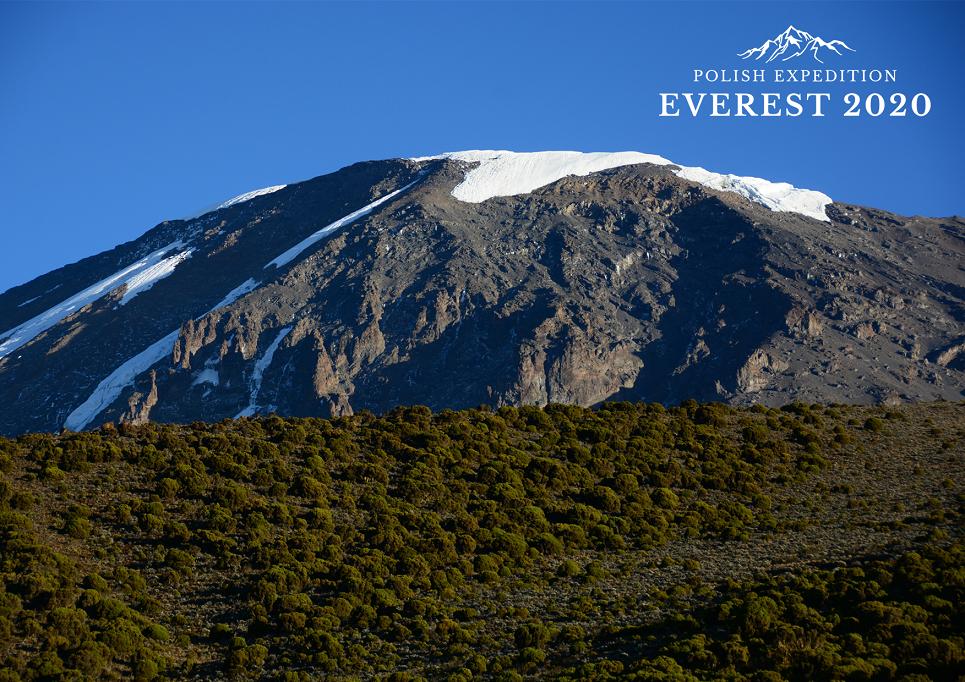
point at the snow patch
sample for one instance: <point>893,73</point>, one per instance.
<point>150,276</point>
<point>29,300</point>
<point>505,173</point>
<point>245,287</point>
<point>256,376</point>
<point>241,198</point>
<point>208,375</point>
<point>141,274</point>
<point>292,253</point>
<point>248,196</point>
<point>111,387</point>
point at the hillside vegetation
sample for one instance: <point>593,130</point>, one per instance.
<point>695,542</point>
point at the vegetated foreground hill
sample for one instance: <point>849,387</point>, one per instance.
<point>698,542</point>
<point>414,281</point>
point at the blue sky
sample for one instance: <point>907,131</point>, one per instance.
<point>116,116</point>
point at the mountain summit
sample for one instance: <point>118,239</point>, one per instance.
<point>492,277</point>
<point>793,43</point>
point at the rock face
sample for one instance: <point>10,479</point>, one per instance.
<point>628,283</point>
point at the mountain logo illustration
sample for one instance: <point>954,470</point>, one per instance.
<point>794,43</point>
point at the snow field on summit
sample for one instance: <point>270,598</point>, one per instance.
<point>505,173</point>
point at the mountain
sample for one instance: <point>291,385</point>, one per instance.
<point>793,43</point>
<point>492,278</point>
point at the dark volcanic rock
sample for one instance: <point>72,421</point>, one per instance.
<point>625,284</point>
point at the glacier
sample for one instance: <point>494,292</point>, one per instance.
<point>502,173</point>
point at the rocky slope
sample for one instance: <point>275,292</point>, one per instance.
<point>375,286</point>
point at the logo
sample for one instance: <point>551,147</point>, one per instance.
<point>794,43</point>
<point>787,77</point>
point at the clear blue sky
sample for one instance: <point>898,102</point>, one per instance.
<point>116,116</point>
